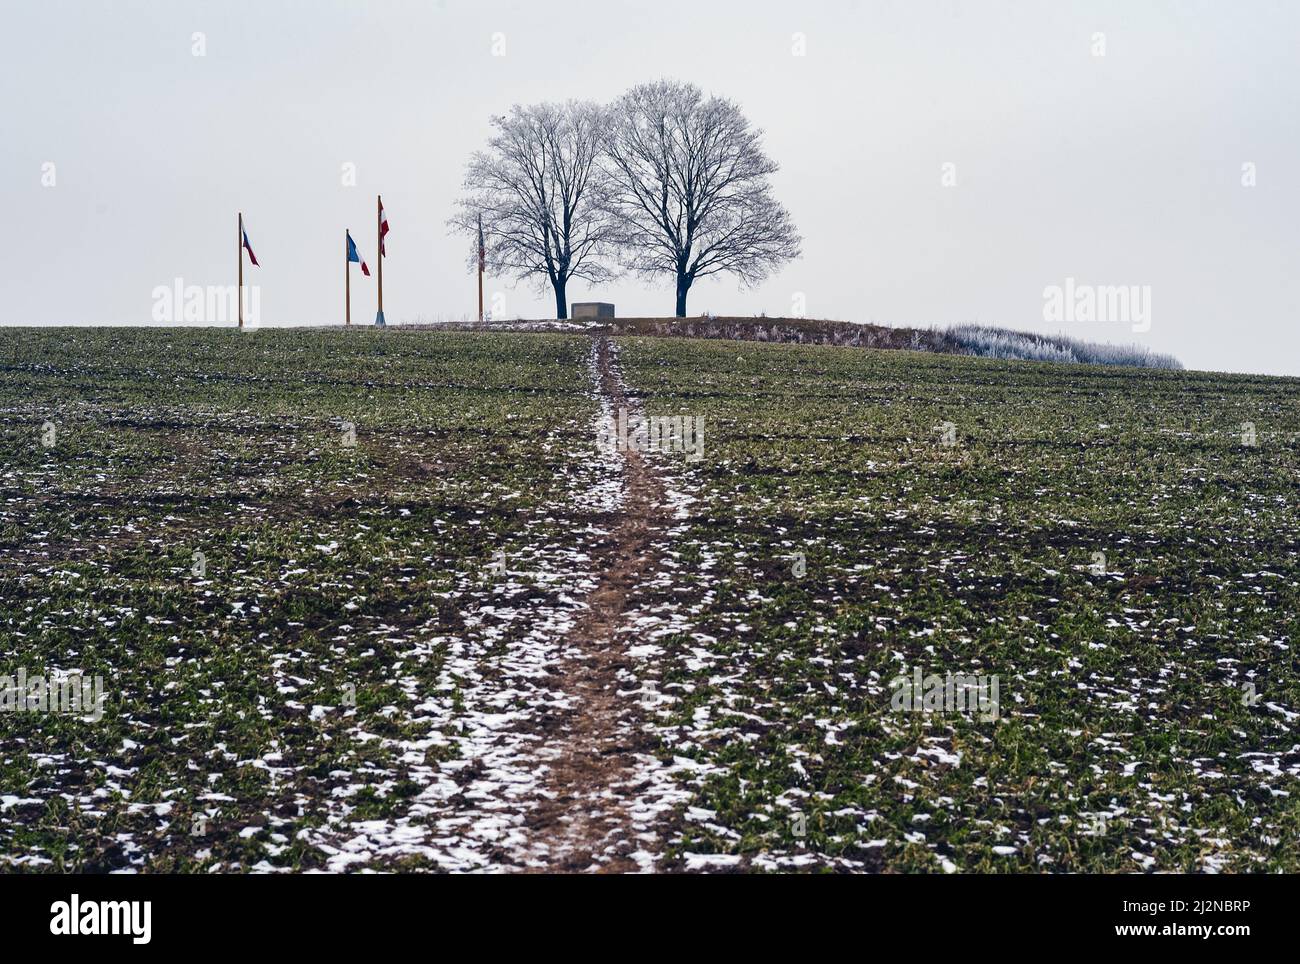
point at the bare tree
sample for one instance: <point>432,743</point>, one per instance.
<point>690,192</point>
<point>540,191</point>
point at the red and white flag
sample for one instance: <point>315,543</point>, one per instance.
<point>383,227</point>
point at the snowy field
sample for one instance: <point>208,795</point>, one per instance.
<point>375,601</point>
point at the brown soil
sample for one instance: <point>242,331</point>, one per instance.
<point>585,823</point>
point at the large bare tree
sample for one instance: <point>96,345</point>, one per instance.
<point>540,190</point>
<point>690,192</point>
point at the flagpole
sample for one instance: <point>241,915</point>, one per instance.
<point>239,295</point>
<point>347,278</point>
<point>379,238</point>
<point>480,269</point>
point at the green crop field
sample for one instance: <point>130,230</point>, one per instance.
<point>380,600</point>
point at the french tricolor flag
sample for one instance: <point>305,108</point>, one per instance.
<point>249,248</point>
<point>353,256</point>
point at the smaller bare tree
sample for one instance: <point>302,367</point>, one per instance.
<point>541,193</point>
<point>690,193</point>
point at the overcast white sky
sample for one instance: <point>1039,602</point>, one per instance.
<point>1115,170</point>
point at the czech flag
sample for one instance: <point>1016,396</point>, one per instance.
<point>353,256</point>
<point>249,248</point>
<point>383,228</point>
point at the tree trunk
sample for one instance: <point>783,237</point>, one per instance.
<point>561,302</point>
<point>683,286</point>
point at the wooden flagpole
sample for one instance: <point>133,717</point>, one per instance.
<point>379,238</point>
<point>239,294</point>
<point>480,269</point>
<point>347,278</point>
